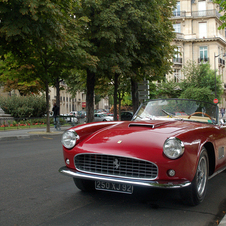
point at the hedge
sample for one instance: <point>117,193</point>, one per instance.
<point>24,106</point>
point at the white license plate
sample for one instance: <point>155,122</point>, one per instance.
<point>114,187</point>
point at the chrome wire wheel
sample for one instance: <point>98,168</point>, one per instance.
<point>201,178</point>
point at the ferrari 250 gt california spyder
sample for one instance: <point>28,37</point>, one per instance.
<point>157,148</point>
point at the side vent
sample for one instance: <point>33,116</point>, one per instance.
<point>220,152</point>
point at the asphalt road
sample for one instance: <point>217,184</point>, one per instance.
<point>33,192</point>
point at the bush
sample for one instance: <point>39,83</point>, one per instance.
<point>23,106</point>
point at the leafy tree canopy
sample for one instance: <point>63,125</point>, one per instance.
<point>18,77</point>
<point>44,37</point>
<point>198,84</point>
<point>222,5</point>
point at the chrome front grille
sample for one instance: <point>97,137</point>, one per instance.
<point>115,166</point>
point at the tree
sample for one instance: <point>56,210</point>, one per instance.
<point>202,76</point>
<point>222,5</point>
<point>127,37</point>
<point>43,36</point>
<point>17,77</point>
<point>168,89</point>
<point>198,84</point>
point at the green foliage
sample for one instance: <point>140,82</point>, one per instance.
<point>21,106</point>
<point>200,76</point>
<point>127,100</point>
<point>222,5</point>
<point>196,93</point>
<point>16,77</point>
<point>198,84</point>
<point>168,89</point>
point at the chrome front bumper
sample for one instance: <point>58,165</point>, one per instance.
<point>136,182</point>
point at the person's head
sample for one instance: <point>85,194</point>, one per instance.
<point>54,105</point>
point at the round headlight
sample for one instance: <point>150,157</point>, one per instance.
<point>69,138</point>
<point>173,148</point>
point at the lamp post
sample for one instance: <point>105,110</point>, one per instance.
<point>215,56</point>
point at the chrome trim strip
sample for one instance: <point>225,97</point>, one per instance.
<point>217,172</point>
<point>163,184</point>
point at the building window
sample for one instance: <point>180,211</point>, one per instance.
<point>177,75</point>
<point>176,11</point>
<point>203,54</point>
<point>177,56</point>
<point>202,8</point>
<point>202,30</point>
<point>177,28</point>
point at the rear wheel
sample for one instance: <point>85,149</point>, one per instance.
<point>195,193</point>
<point>84,185</point>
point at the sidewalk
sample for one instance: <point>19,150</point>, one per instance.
<point>27,133</point>
<point>223,221</point>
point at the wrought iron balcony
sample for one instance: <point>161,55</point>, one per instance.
<point>206,13</point>
<point>204,59</point>
<point>202,13</point>
<point>221,61</point>
<point>177,60</point>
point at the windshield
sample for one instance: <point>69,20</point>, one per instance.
<point>178,109</point>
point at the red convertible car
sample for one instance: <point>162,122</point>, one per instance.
<point>157,148</point>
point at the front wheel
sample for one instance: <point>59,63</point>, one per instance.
<point>84,185</point>
<point>195,193</point>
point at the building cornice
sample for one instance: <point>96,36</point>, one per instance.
<point>216,39</point>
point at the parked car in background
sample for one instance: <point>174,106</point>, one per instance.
<point>81,114</point>
<point>126,115</point>
<point>73,113</point>
<point>69,118</point>
<point>156,149</point>
<point>102,117</point>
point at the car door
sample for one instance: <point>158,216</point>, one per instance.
<point>220,142</point>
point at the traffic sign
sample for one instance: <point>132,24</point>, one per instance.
<point>215,101</point>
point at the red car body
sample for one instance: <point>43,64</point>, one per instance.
<point>143,140</point>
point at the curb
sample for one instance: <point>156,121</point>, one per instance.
<point>29,134</point>
<point>21,137</point>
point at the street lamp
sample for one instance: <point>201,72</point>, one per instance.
<point>215,56</point>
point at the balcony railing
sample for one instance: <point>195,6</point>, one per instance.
<point>179,13</point>
<point>202,13</point>
<point>207,13</point>
<point>177,60</point>
<point>221,61</point>
<point>204,59</point>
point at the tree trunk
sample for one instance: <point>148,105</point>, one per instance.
<point>47,107</point>
<point>115,95</point>
<point>90,84</point>
<point>135,97</point>
<point>119,107</point>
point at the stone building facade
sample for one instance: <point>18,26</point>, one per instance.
<point>198,38</point>
<point>68,103</point>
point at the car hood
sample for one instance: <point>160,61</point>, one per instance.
<point>134,138</point>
